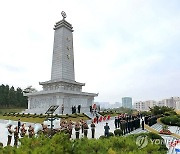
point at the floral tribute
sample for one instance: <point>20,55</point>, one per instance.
<point>165,130</point>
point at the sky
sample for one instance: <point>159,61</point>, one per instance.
<point>121,47</point>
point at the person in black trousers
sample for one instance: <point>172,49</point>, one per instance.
<point>116,122</point>
<point>119,122</point>
<point>93,129</point>
<point>142,124</point>
<point>19,125</point>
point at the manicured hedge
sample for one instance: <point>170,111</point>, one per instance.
<point>173,120</point>
<point>61,144</point>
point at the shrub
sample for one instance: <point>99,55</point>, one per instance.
<point>118,132</point>
<point>171,120</point>
<point>42,116</point>
<point>102,137</point>
<point>35,115</point>
<point>167,114</point>
<point>17,115</point>
<point>111,134</point>
<point>23,115</point>
<point>1,144</point>
<point>60,143</point>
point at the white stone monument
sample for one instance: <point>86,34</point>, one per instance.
<point>62,88</point>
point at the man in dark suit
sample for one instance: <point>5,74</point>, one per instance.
<point>116,122</point>
<point>119,121</point>
<point>19,125</point>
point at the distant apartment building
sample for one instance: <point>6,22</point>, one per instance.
<point>177,103</point>
<point>160,103</point>
<point>144,105</point>
<point>173,102</point>
<point>127,102</point>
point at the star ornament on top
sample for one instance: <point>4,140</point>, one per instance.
<point>63,14</point>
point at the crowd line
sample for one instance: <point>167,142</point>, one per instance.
<point>126,123</point>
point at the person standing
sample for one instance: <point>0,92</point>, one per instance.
<point>79,108</point>
<point>123,127</point>
<point>97,117</point>
<point>93,129</point>
<point>16,136</point>
<point>10,132</point>
<point>116,122</point>
<point>90,109</point>
<point>129,126</point>
<point>62,108</point>
<point>31,131</point>
<point>72,108</point>
<point>106,130</point>
<point>142,124</point>
<point>44,129</point>
<point>77,128</point>
<point>85,129</point>
<point>82,125</point>
<point>19,125</point>
<point>75,109</point>
<point>23,130</point>
<point>70,128</point>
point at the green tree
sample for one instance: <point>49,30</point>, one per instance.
<point>29,89</point>
<point>12,97</point>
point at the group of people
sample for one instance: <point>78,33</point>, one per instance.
<point>127,123</point>
<point>79,126</point>
<point>150,120</point>
<point>18,131</point>
<point>94,109</point>
<point>73,108</point>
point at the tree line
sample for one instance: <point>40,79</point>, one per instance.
<point>12,98</point>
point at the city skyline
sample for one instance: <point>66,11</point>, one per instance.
<point>123,48</point>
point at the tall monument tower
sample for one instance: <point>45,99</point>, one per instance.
<point>63,55</point>
<point>62,88</point>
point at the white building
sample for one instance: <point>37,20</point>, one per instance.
<point>173,102</point>
<point>144,105</point>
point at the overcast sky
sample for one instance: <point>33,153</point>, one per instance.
<point>122,47</point>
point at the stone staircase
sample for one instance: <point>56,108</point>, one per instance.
<point>173,129</point>
<point>157,127</point>
<point>91,116</point>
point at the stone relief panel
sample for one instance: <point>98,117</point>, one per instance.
<point>42,101</point>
